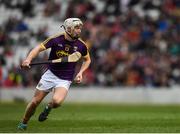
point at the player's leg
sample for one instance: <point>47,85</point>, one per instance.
<point>31,107</point>
<point>57,99</point>
<point>60,91</point>
<point>43,88</point>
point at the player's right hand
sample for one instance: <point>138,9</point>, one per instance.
<point>25,64</point>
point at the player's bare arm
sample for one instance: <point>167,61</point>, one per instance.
<point>85,65</point>
<point>33,53</point>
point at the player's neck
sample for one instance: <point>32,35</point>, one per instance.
<point>67,37</point>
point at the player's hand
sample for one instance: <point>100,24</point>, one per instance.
<point>25,64</point>
<point>78,78</point>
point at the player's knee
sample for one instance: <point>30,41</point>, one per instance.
<point>35,102</point>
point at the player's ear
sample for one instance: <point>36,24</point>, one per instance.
<point>69,29</point>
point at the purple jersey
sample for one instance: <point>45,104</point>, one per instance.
<point>61,47</point>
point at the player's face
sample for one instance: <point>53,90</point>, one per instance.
<point>76,32</point>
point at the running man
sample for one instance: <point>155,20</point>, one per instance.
<point>59,76</point>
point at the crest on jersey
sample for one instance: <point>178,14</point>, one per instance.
<point>67,47</point>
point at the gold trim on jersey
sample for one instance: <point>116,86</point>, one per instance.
<point>82,41</point>
<point>86,54</point>
<point>85,45</point>
<point>51,37</point>
<point>42,46</point>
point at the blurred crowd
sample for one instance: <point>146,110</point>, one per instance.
<point>131,42</point>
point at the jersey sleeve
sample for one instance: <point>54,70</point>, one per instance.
<point>83,50</point>
<point>48,43</point>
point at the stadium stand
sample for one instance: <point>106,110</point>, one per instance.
<point>131,42</point>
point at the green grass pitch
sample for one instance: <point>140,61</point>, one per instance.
<point>95,118</point>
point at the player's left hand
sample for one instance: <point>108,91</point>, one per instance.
<point>78,78</point>
<point>25,64</point>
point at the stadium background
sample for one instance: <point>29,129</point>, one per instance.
<point>134,47</point>
<point>132,43</point>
